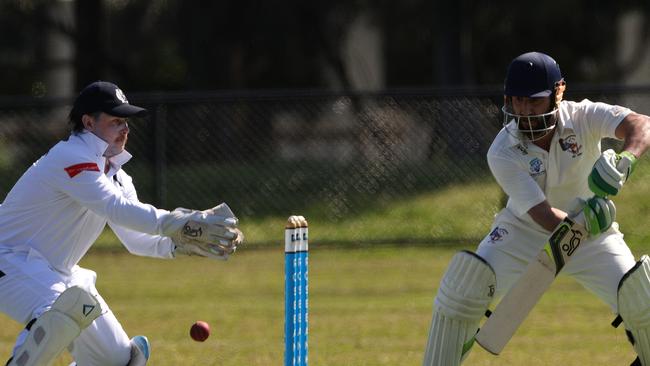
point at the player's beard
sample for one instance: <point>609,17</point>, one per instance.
<point>538,127</point>
<point>531,128</point>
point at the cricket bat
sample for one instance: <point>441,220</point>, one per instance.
<point>502,324</point>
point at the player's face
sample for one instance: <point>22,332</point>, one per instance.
<point>533,116</point>
<point>525,106</point>
<point>114,130</point>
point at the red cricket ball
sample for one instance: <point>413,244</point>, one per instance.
<point>200,331</point>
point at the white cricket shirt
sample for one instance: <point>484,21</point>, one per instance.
<point>529,174</point>
<point>63,201</point>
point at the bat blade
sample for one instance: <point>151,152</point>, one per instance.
<point>499,328</point>
<point>515,306</point>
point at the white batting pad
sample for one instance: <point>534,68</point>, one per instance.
<point>53,331</point>
<point>634,306</point>
<point>465,292</point>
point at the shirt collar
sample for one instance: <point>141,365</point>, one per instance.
<point>513,136</point>
<point>564,124</point>
<point>96,145</point>
<point>120,159</point>
<point>99,146</point>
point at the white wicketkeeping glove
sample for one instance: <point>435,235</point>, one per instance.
<point>210,233</point>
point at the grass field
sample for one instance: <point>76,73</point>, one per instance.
<point>369,306</point>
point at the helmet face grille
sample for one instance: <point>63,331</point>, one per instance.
<point>532,127</point>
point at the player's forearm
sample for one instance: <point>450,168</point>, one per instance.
<point>635,130</point>
<point>142,244</point>
<point>546,216</point>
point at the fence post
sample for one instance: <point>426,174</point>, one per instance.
<point>160,157</point>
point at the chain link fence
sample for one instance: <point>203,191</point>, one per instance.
<point>326,155</point>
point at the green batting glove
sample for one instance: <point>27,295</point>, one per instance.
<point>610,172</point>
<point>599,214</point>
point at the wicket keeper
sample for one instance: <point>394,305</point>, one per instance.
<point>547,159</point>
<point>55,212</point>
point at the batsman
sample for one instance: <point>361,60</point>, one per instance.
<point>55,212</point>
<point>547,159</point>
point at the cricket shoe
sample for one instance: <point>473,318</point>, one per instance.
<point>139,351</point>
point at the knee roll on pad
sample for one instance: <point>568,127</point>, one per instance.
<point>467,288</point>
<point>74,310</point>
<point>634,306</point>
<point>465,292</point>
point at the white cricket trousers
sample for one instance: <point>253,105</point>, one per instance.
<point>598,264</point>
<point>30,286</point>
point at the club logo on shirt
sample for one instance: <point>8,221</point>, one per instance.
<point>571,144</point>
<point>536,167</point>
<point>498,234</point>
<point>74,170</point>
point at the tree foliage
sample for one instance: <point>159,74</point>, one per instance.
<point>247,44</point>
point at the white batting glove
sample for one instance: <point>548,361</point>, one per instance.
<point>610,172</point>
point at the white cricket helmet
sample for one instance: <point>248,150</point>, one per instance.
<point>534,75</point>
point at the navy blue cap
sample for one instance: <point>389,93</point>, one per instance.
<point>103,96</point>
<point>533,74</point>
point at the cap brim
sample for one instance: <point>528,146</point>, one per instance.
<point>127,110</point>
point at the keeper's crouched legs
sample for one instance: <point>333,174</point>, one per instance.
<point>634,307</point>
<point>74,310</point>
<point>465,292</point>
